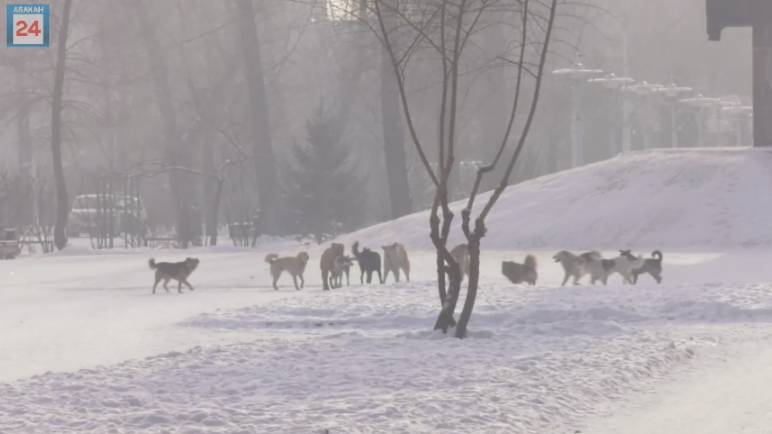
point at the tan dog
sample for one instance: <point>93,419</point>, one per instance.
<point>327,263</point>
<point>295,266</point>
<point>395,259</point>
<point>577,266</point>
<point>461,254</point>
<point>519,273</point>
<point>179,271</point>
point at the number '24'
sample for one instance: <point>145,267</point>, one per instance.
<point>24,29</point>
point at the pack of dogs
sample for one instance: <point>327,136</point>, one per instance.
<point>334,264</point>
<point>592,264</point>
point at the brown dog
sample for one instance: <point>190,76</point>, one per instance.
<point>294,265</point>
<point>461,255</point>
<point>179,271</point>
<point>519,273</point>
<point>327,263</point>
<point>395,259</point>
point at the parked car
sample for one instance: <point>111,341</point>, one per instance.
<point>89,211</point>
<point>9,244</point>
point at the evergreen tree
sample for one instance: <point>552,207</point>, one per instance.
<point>324,189</point>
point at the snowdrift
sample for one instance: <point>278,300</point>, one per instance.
<point>685,199</point>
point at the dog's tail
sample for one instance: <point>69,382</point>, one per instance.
<point>269,258</point>
<point>355,249</point>
<point>657,255</point>
<point>151,263</point>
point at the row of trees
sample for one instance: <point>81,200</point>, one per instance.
<point>217,106</point>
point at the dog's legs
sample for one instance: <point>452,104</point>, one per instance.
<point>157,280</point>
<point>565,279</point>
<point>190,287</point>
<point>179,286</point>
<point>166,284</point>
<point>348,282</point>
<point>407,274</point>
<point>295,281</point>
<point>325,280</point>
<point>302,281</point>
<point>657,277</point>
<point>276,279</point>
<point>396,274</point>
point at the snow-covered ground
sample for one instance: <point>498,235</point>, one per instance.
<point>86,348</point>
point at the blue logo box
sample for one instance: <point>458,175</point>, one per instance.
<point>28,25</point>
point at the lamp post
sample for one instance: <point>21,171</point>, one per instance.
<point>702,104</point>
<point>643,90</point>
<point>577,74</point>
<point>742,116</point>
<point>672,94</point>
<point>614,83</point>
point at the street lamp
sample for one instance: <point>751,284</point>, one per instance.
<point>702,104</point>
<point>577,74</point>
<point>614,83</point>
<point>643,90</point>
<point>672,93</point>
<point>743,115</point>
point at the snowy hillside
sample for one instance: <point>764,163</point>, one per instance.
<point>667,198</point>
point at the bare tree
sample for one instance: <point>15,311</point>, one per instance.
<point>265,162</point>
<point>62,200</point>
<point>446,29</point>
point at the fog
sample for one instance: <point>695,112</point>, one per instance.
<point>284,117</point>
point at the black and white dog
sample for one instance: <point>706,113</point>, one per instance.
<point>652,266</point>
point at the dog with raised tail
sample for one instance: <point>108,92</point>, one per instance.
<point>521,273</point>
<point>294,265</point>
<point>652,266</point>
<point>179,271</point>
<point>369,263</point>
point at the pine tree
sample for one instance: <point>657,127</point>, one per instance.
<point>325,191</point>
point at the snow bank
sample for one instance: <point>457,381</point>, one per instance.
<point>685,199</point>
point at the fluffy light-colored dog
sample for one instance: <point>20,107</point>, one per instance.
<point>520,273</point>
<point>395,259</point>
<point>461,254</point>
<point>577,266</point>
<point>179,271</point>
<point>294,265</point>
<point>625,263</point>
<point>327,263</point>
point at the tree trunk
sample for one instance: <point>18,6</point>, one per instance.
<point>265,161</point>
<point>394,141</point>
<point>62,200</point>
<point>214,213</point>
<point>471,291</point>
<point>180,183</point>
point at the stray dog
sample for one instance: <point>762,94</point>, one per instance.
<point>395,259</point>
<point>179,271</point>
<point>461,255</point>
<point>652,265</point>
<point>577,266</point>
<point>295,266</point>
<point>519,273</point>
<point>625,263</point>
<point>369,262</point>
<point>342,266</point>
<point>327,263</point>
